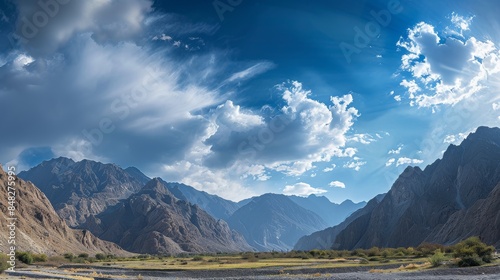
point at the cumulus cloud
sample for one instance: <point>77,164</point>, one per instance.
<point>303,132</point>
<point>337,184</point>
<point>302,189</point>
<point>446,68</point>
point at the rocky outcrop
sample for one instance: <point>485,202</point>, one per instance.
<point>451,199</point>
<point>154,221</point>
<point>38,227</point>
<point>80,189</point>
<point>274,222</point>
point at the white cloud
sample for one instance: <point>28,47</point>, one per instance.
<point>362,138</point>
<point>397,98</point>
<point>290,140</point>
<point>455,138</point>
<point>355,164</point>
<point>405,160</point>
<point>337,184</point>
<point>496,106</point>
<point>390,162</point>
<point>250,72</point>
<point>460,23</point>
<point>397,151</point>
<point>302,189</point>
<point>162,37</point>
<point>329,169</point>
<point>411,86</point>
<point>446,68</point>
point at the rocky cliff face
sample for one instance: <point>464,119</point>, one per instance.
<point>80,189</point>
<point>274,222</point>
<point>439,203</point>
<point>154,221</point>
<point>38,227</point>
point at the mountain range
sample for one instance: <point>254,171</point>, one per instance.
<point>154,221</point>
<point>39,229</point>
<point>81,204</point>
<point>456,197</point>
<point>80,189</point>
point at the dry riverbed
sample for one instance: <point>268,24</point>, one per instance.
<point>390,272</point>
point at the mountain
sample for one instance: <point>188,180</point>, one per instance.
<point>80,189</point>
<point>137,174</point>
<point>330,212</point>
<point>38,227</point>
<point>324,239</point>
<point>214,205</point>
<point>274,222</point>
<point>451,199</point>
<point>154,221</point>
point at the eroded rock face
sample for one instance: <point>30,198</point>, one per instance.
<point>80,189</point>
<point>452,199</point>
<point>40,230</point>
<point>154,221</point>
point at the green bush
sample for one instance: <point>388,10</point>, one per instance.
<point>473,260</point>
<point>197,258</point>
<point>437,259</point>
<point>40,257</point>
<point>83,255</point>
<point>100,256</point>
<point>426,249</point>
<point>3,262</point>
<point>25,257</point>
<point>473,252</point>
<point>69,256</point>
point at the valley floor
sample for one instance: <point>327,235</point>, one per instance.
<point>360,272</point>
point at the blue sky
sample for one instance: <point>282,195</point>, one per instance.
<point>239,98</point>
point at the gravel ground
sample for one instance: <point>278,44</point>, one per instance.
<point>348,273</point>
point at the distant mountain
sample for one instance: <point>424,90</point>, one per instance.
<point>330,212</point>
<point>38,227</point>
<point>453,198</point>
<point>324,239</point>
<point>154,221</point>
<point>214,205</point>
<point>274,222</point>
<point>80,189</point>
